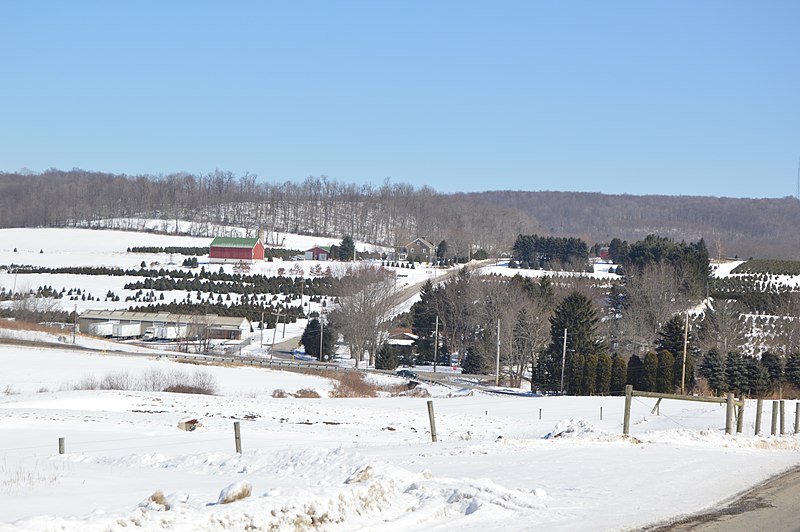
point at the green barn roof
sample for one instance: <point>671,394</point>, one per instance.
<point>233,242</point>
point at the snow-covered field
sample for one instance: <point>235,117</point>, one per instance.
<point>501,462</point>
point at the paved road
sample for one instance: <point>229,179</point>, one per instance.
<point>772,506</point>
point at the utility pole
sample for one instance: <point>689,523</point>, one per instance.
<point>262,330</point>
<point>436,344</point>
<point>497,361</point>
<point>685,345</point>
<point>277,317</point>
<point>74,324</point>
<point>321,333</point>
<point>563,361</point>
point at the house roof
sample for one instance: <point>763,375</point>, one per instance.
<point>234,242</point>
<point>423,241</point>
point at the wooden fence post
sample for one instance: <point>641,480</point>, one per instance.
<point>759,407</point>
<point>739,417</point>
<point>796,418</point>
<point>61,446</point>
<point>601,413</point>
<point>729,413</point>
<point>626,422</point>
<point>783,417</point>
<point>237,436</point>
<point>774,430</point>
<point>432,420</point>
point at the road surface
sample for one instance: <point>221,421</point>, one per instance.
<point>772,506</point>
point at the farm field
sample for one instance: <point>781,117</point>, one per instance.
<point>315,460</point>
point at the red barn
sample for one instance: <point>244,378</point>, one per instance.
<point>229,249</point>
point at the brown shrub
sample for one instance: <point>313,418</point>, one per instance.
<point>188,389</point>
<point>352,384</point>
<point>306,393</point>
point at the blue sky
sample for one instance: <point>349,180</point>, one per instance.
<point>679,98</point>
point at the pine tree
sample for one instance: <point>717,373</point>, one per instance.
<point>712,369</point>
<point>619,374</point>
<point>664,377</point>
<point>650,372</point>
<point>605,366</point>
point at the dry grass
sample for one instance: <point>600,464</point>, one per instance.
<point>307,393</point>
<point>352,384</point>
<point>16,325</point>
<point>279,394</point>
<point>199,382</point>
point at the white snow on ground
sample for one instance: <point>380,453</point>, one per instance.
<point>501,462</point>
<point>329,463</point>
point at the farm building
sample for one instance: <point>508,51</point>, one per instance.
<point>123,324</point>
<point>319,253</point>
<point>231,249</point>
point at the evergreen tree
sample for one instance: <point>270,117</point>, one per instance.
<point>670,338</point>
<point>793,370</point>
<point>387,358</point>
<point>423,320</point>
<point>635,372</point>
<point>775,373</point>
<point>347,248</point>
<point>591,363</point>
<point>577,315</point>
<point>605,366</point>
<point>650,372</point>
<point>441,250</point>
<point>575,378</point>
<point>664,377</point>
<point>712,369</point>
<point>311,336</point>
<point>619,374</point>
<point>736,373</point>
<point>757,377</point>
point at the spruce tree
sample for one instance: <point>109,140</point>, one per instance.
<point>712,369</point>
<point>347,249</point>
<point>310,340</point>
<point>775,372</point>
<point>736,373</point>
<point>757,377</point>
<point>793,370</point>
<point>578,316</point>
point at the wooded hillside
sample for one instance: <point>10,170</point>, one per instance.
<point>393,213</point>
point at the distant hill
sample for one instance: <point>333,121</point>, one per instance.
<point>761,228</point>
<point>393,213</point>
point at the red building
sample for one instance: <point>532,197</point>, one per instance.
<point>229,249</point>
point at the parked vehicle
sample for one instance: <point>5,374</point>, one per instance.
<point>127,330</point>
<point>103,328</point>
<point>407,373</point>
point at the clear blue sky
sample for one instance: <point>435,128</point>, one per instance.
<point>638,97</point>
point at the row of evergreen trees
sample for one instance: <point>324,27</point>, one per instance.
<point>540,251</point>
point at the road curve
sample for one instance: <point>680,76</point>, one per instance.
<point>771,506</point>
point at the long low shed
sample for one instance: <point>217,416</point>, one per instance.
<point>193,325</point>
